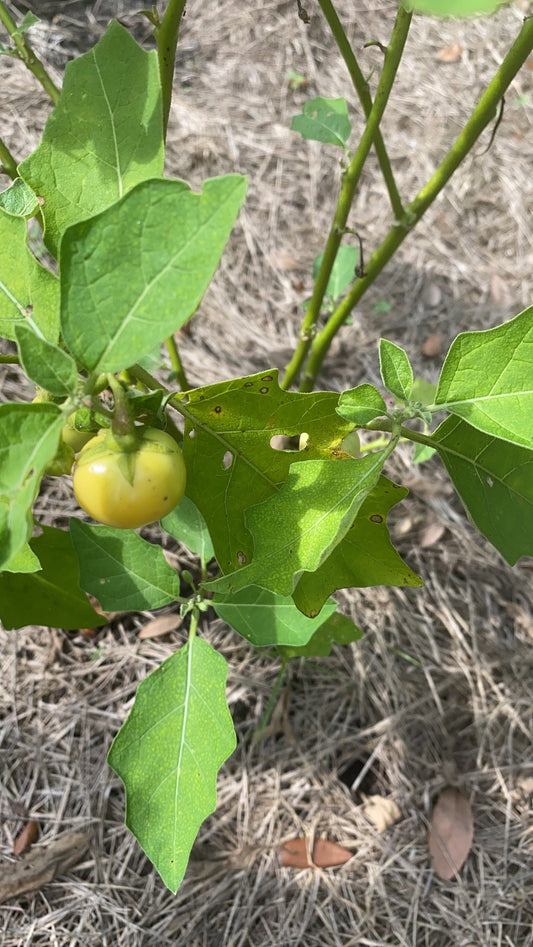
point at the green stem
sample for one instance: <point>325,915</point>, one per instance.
<point>482,114</point>
<point>7,161</point>
<point>350,180</point>
<point>166,37</point>
<point>360,85</point>
<point>176,362</point>
<point>27,56</point>
<point>9,360</point>
<point>405,433</point>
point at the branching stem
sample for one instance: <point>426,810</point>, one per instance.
<point>350,180</point>
<point>483,113</point>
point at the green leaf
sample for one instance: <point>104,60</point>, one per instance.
<point>51,596</point>
<point>421,453</point>
<point>487,379</point>
<point>295,530</point>
<point>122,570</point>
<point>338,629</point>
<point>454,7</point>
<point>29,435</point>
<point>264,618</point>
<point>423,391</point>
<point>230,462</point>
<point>343,272</point>
<point>44,363</point>
<point>361,404</point>
<point>28,291</point>
<point>365,557</point>
<point>24,560</point>
<point>136,273</point>
<point>18,200</point>
<point>396,370</point>
<point>324,120</point>
<point>495,482</point>
<point>104,136</point>
<point>176,738</point>
<point>29,19</point>
<point>187,525</point>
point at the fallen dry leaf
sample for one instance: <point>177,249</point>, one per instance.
<point>159,626</point>
<point>325,854</point>
<point>42,864</point>
<point>499,290</point>
<point>451,833</point>
<point>432,345</point>
<point>381,811</point>
<point>283,260</point>
<point>431,535</point>
<point>449,53</point>
<point>26,837</point>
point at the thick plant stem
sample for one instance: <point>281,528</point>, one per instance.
<point>7,162</point>
<point>361,87</point>
<point>166,36</point>
<point>482,114</point>
<point>176,362</point>
<point>26,54</point>
<point>350,180</point>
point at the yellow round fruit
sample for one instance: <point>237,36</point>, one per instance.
<point>130,488</point>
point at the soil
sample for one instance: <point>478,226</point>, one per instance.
<point>438,691</point>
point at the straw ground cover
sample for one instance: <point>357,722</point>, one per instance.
<point>442,679</point>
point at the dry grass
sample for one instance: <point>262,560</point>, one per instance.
<point>443,677</point>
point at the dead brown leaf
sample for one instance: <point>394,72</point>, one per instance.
<point>451,833</point>
<point>432,345</point>
<point>283,260</point>
<point>42,864</point>
<point>26,837</point>
<point>499,290</point>
<point>157,627</point>
<point>381,811</point>
<point>431,535</point>
<point>449,53</point>
<point>325,854</point>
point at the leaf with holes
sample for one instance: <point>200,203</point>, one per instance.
<point>230,462</point>
<point>296,529</point>
<point>168,753</point>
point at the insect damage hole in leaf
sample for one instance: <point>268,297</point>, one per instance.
<point>227,460</point>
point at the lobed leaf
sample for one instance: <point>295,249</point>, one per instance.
<point>168,753</point>
<point>44,363</point>
<point>365,557</point>
<point>265,618</point>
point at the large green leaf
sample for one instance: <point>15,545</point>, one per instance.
<point>29,293</point>
<point>295,530</point>
<point>487,379</point>
<point>365,557</point>
<point>135,273</point>
<point>51,596</point>
<point>122,570</point>
<point>264,618</point>
<point>454,7</point>
<point>168,753</point>
<point>495,482</point>
<point>104,136</point>
<point>230,462</point>
<point>29,435</point>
